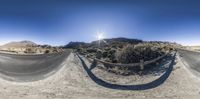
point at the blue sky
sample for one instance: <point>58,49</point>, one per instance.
<point>57,22</point>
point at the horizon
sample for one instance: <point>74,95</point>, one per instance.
<point>60,22</point>
<point>84,42</point>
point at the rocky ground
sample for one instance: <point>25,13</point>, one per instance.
<point>73,82</point>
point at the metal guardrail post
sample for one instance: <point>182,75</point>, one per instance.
<point>141,64</point>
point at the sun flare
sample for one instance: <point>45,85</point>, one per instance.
<point>100,35</point>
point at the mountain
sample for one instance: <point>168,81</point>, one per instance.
<point>115,42</point>
<point>121,39</point>
<point>20,44</point>
<point>105,42</point>
<point>76,44</point>
<point>28,47</point>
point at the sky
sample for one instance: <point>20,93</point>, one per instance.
<point>57,22</point>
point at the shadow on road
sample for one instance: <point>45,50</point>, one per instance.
<point>146,86</point>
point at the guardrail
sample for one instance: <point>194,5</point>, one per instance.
<point>146,86</point>
<point>140,64</point>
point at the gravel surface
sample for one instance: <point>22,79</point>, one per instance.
<point>72,82</point>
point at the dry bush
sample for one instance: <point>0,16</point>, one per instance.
<point>91,50</point>
<point>47,51</point>
<point>133,54</point>
<point>29,50</point>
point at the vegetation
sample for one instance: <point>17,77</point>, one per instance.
<point>135,53</point>
<point>122,50</point>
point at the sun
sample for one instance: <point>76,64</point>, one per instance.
<point>100,35</point>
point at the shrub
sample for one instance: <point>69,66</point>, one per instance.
<point>112,56</point>
<point>133,54</point>
<point>105,54</point>
<point>29,50</point>
<point>91,50</point>
<point>55,50</point>
<point>99,54</point>
<point>46,51</point>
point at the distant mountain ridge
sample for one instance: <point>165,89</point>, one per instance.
<point>76,44</point>
<point>20,44</point>
<point>28,47</point>
<point>121,39</point>
<point>104,42</point>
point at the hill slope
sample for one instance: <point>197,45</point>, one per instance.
<point>27,47</point>
<point>20,44</point>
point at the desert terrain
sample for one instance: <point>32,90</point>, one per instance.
<point>73,75</point>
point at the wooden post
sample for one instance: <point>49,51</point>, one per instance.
<point>141,64</point>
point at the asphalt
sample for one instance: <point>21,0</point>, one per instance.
<point>25,68</point>
<point>191,58</point>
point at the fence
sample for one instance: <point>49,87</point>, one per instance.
<point>140,64</point>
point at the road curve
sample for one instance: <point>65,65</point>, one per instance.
<point>25,68</point>
<point>191,58</point>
